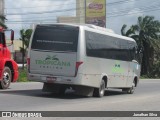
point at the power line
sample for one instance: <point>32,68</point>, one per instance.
<point>123,14</point>
<point>116,12</point>
<point>44,12</point>
<point>141,8</point>
<point>24,22</point>
<point>108,4</point>
<point>109,15</point>
<point>27,13</point>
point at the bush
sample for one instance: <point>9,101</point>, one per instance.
<point>144,77</point>
<point>155,70</point>
<point>22,75</point>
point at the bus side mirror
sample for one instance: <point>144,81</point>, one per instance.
<point>134,61</point>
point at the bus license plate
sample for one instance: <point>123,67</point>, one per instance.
<point>51,79</point>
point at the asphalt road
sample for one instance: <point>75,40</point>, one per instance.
<point>29,97</point>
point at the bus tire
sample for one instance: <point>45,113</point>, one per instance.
<point>99,92</point>
<point>7,76</point>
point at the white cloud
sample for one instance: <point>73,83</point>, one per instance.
<point>115,23</point>
<point>135,12</point>
<point>131,14</point>
<point>26,6</point>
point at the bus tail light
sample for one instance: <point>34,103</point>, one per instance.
<point>77,66</point>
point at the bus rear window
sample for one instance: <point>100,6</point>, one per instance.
<point>56,38</point>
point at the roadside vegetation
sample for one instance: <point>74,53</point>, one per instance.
<point>2,18</point>
<point>147,35</point>
<point>22,75</point>
<point>24,37</point>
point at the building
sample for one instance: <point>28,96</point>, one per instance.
<point>15,50</point>
<point>67,19</point>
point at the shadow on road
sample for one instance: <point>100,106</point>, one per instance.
<point>113,93</point>
<point>68,95</point>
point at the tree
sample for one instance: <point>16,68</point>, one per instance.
<point>146,33</point>
<point>2,18</point>
<point>25,37</point>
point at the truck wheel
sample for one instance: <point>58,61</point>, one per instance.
<point>99,92</point>
<point>131,89</point>
<point>7,76</point>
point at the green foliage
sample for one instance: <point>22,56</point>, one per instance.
<point>147,35</point>
<point>25,37</point>
<point>2,18</point>
<point>144,77</point>
<point>155,73</point>
<point>22,76</point>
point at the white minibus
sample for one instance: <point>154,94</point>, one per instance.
<point>86,58</point>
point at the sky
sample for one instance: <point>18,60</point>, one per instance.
<point>20,13</point>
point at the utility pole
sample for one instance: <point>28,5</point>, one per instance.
<point>80,12</point>
<point>1,7</point>
<point>2,20</point>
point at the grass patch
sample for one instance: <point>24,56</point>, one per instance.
<point>22,76</point>
<point>144,77</point>
<point>148,77</point>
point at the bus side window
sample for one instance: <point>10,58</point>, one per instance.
<point>132,51</point>
<point>138,55</point>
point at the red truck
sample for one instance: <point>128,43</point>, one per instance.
<point>8,67</point>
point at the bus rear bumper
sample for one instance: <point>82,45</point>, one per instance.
<point>79,80</point>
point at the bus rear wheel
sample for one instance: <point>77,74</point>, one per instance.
<point>99,92</point>
<point>7,76</point>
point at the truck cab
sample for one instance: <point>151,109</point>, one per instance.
<point>8,67</point>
